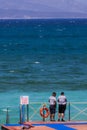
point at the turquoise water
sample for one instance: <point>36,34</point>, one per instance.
<point>38,57</point>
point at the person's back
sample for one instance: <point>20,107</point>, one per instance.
<point>52,108</point>
<point>52,100</point>
<point>62,101</point>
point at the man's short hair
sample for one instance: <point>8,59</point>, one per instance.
<point>54,93</point>
<point>62,93</point>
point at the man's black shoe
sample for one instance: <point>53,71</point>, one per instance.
<point>62,120</point>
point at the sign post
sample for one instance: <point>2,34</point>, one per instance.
<point>24,104</point>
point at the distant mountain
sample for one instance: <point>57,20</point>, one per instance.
<point>29,14</point>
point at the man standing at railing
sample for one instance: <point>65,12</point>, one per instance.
<point>52,102</point>
<point>62,101</point>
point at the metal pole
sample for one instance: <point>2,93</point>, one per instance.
<point>20,115</point>
<point>43,112</point>
<point>69,111</point>
<point>7,117</point>
<point>27,112</point>
<point>23,113</point>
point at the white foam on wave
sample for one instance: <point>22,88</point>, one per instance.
<point>60,29</point>
<point>37,62</point>
<point>5,110</point>
<point>11,71</point>
<point>72,21</point>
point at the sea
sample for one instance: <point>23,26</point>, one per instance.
<point>41,56</point>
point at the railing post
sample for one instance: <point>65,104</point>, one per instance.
<point>7,117</point>
<point>27,112</point>
<point>43,112</point>
<point>69,111</point>
<point>20,115</point>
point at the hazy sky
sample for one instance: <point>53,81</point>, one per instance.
<point>55,5</point>
<point>78,6</point>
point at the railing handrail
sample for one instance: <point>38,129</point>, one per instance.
<point>71,102</point>
<point>73,111</point>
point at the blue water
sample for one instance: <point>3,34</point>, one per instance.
<point>38,57</point>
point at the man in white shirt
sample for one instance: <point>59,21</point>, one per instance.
<point>62,101</point>
<point>52,107</point>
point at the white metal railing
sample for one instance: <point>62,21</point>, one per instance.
<point>78,110</point>
<point>74,111</point>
